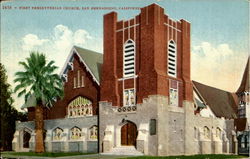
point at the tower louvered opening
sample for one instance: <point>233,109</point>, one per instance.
<point>129,58</point>
<point>172,58</point>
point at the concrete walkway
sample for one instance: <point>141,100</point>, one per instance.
<point>93,156</point>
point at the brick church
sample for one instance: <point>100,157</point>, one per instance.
<point>137,97</point>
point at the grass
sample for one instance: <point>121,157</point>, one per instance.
<point>45,154</point>
<point>188,157</point>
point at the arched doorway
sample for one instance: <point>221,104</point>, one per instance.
<point>128,134</point>
<point>26,139</point>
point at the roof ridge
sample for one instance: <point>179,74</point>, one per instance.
<point>211,87</point>
<point>87,49</point>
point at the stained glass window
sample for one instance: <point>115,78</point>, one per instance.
<point>75,133</point>
<point>57,134</point>
<point>93,133</point>
<point>80,107</point>
<point>129,97</point>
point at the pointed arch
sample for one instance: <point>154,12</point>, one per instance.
<point>57,134</point>
<point>172,59</point>
<point>93,132</point>
<point>129,58</point>
<point>75,133</point>
<point>79,107</point>
<point>128,133</point>
<point>206,132</point>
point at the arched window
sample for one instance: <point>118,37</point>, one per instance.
<point>129,59</point>
<point>80,107</point>
<point>75,133</point>
<point>57,134</point>
<point>172,58</point>
<point>218,133</point>
<point>206,132</point>
<point>195,133</point>
<point>93,133</point>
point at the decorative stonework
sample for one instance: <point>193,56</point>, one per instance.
<point>128,109</point>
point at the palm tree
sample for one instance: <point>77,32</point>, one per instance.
<point>39,81</point>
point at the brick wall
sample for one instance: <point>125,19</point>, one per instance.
<point>89,91</point>
<point>150,30</point>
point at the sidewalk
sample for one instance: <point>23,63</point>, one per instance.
<point>94,156</point>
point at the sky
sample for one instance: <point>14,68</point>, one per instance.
<point>219,33</point>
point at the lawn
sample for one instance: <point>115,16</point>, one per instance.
<point>45,154</point>
<point>189,157</point>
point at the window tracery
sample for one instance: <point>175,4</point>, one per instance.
<point>129,97</point>
<point>93,133</point>
<point>80,107</point>
<point>57,134</point>
<point>75,133</point>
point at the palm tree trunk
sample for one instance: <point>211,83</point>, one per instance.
<point>39,123</point>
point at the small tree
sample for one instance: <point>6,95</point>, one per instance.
<point>39,80</point>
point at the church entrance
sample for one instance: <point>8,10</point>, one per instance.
<point>26,139</point>
<point>128,134</point>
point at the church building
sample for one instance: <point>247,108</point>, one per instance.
<point>243,121</point>
<point>137,98</point>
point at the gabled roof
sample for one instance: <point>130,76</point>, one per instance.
<point>244,86</point>
<point>199,104</point>
<point>92,60</point>
<point>31,102</point>
<point>220,102</point>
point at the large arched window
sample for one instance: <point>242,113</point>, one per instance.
<point>80,107</point>
<point>75,133</point>
<point>129,59</point>
<point>172,58</point>
<point>57,134</point>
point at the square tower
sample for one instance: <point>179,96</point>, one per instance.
<point>146,70</point>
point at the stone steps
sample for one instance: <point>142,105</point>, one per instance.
<point>124,150</point>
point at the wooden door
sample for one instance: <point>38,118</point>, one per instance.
<point>128,134</point>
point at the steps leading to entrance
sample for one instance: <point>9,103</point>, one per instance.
<point>124,150</point>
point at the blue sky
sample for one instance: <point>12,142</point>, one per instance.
<point>219,33</point>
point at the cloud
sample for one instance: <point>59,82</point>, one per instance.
<point>62,39</point>
<point>31,40</point>
<point>81,36</point>
<point>56,46</point>
<point>218,66</point>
